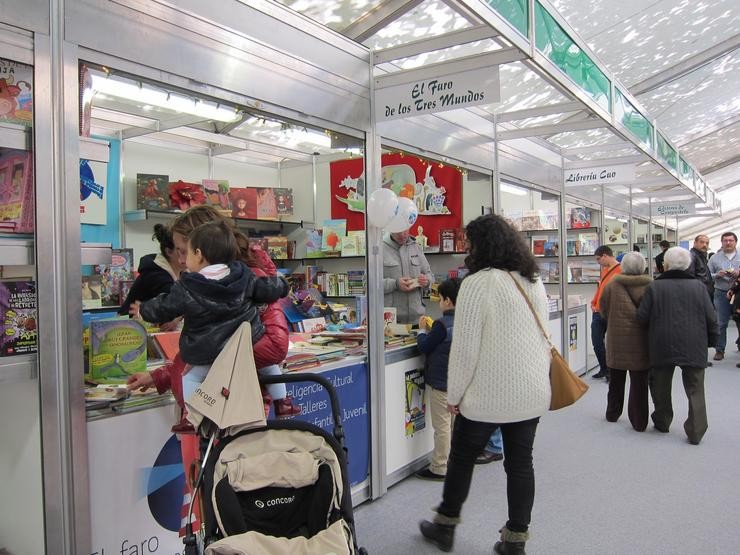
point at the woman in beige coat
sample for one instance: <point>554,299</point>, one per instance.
<point>626,342</point>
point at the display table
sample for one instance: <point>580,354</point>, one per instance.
<point>577,337</point>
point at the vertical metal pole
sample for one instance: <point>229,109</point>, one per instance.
<point>562,254</point>
<point>280,175</point>
<point>630,225</point>
<point>121,195</point>
<point>211,164</point>
<point>375,300</point>
<point>496,189</point>
<point>315,186</point>
<point>649,238</point>
<point>63,421</point>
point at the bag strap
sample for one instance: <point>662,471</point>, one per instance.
<point>534,313</point>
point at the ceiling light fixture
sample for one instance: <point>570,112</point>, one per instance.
<point>139,92</point>
<point>511,189</point>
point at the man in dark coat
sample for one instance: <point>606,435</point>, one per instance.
<point>699,260</point>
<point>682,325</point>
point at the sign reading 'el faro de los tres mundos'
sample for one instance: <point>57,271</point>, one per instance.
<point>600,175</point>
<point>437,94</point>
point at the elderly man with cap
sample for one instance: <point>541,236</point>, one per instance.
<point>406,273</point>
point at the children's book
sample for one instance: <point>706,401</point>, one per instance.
<point>589,242</point>
<point>331,235</point>
<point>118,349</point>
<point>349,245</point>
<point>111,275</point>
<point>538,245</point>
<point>18,318</point>
<point>552,248</point>
<point>266,203</point>
<point>243,202</point>
<point>313,243</point>
<point>168,342</point>
<point>124,286</point>
<point>16,91</point>
<point>260,242</point>
<point>313,325</point>
<point>580,218</point>
<point>277,247</point>
<point>447,238</point>
<point>183,195</point>
<point>283,201</point>
<point>389,314</point>
<point>16,191</point>
<point>360,235</point>
<point>573,247</point>
<point>152,191</point>
<point>92,291</point>
<point>217,193</point>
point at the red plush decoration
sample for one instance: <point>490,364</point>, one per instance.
<point>185,195</point>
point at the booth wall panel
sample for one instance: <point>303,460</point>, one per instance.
<point>32,15</point>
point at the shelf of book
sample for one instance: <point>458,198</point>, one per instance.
<point>16,251</point>
<point>435,253</point>
<point>15,136</point>
<point>145,214</point>
<point>18,368</point>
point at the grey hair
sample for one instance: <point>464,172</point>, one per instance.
<point>633,264</point>
<point>677,258</point>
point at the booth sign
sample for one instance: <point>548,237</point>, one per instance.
<point>600,175</point>
<point>674,209</point>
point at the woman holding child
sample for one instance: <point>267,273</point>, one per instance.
<point>498,377</point>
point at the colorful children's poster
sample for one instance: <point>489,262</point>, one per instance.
<point>152,191</point>
<point>415,411</point>
<point>243,202</point>
<point>18,318</point>
<point>217,193</point>
<point>266,203</point>
<point>93,181</point>
<point>16,92</point>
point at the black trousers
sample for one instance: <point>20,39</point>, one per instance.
<point>661,381</point>
<point>637,405</point>
<point>469,437</point>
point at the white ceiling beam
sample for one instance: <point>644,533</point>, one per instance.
<point>562,108</point>
<point>157,126</point>
<point>431,44</point>
<point>597,148</point>
<point>381,15</point>
<point>687,66</point>
<point>706,131</point>
<point>572,165</point>
<point>477,61</point>
<point>728,220</point>
<point>547,130</point>
<point>465,12</point>
<point>719,165</point>
<point>727,186</point>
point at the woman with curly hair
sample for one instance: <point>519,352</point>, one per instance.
<point>498,377</point>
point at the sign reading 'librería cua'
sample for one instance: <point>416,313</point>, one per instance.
<point>437,94</point>
<point>600,175</point>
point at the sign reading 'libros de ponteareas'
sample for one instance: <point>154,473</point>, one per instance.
<point>600,175</point>
<point>437,94</point>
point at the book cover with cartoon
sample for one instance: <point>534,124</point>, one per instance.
<point>243,202</point>
<point>217,193</point>
<point>118,349</point>
<point>18,318</point>
<point>152,191</point>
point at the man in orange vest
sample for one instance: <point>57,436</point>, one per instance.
<point>609,268</point>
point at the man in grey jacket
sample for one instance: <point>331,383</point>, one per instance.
<point>406,273</point>
<point>681,327</point>
<point>724,268</point>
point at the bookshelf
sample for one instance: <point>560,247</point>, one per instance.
<point>147,214</point>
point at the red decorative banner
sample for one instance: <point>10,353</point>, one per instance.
<point>434,187</point>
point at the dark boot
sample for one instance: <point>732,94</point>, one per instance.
<point>441,532</point>
<point>512,543</point>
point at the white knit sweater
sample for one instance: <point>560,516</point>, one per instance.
<point>499,361</point>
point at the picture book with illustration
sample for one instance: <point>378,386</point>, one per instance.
<point>18,318</point>
<point>16,92</point>
<point>313,243</point>
<point>331,235</point>
<point>217,193</point>
<point>111,275</point>
<point>283,201</point>
<point>152,191</point>
<point>243,202</point>
<point>16,192</point>
<point>277,247</point>
<point>266,203</point>
<point>92,291</point>
<point>118,349</point>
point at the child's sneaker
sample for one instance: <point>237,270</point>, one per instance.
<point>285,408</point>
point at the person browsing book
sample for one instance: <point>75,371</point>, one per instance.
<point>609,268</point>
<point>215,297</point>
<point>406,273</point>
<point>435,343</point>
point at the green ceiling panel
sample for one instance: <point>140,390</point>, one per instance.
<point>667,153</point>
<point>516,12</point>
<point>685,170</point>
<point>557,45</point>
<point>633,120</point>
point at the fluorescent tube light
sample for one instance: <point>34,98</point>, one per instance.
<point>511,189</point>
<point>170,101</point>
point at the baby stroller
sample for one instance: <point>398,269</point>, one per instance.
<point>281,488</point>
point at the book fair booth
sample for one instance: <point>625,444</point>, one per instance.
<point>314,143</point>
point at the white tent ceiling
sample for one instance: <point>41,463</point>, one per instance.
<point>679,59</point>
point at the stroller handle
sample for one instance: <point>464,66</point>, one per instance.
<point>323,382</point>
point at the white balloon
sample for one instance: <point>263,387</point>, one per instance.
<point>405,217</point>
<point>381,207</point>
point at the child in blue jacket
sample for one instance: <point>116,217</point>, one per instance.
<point>435,343</point>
